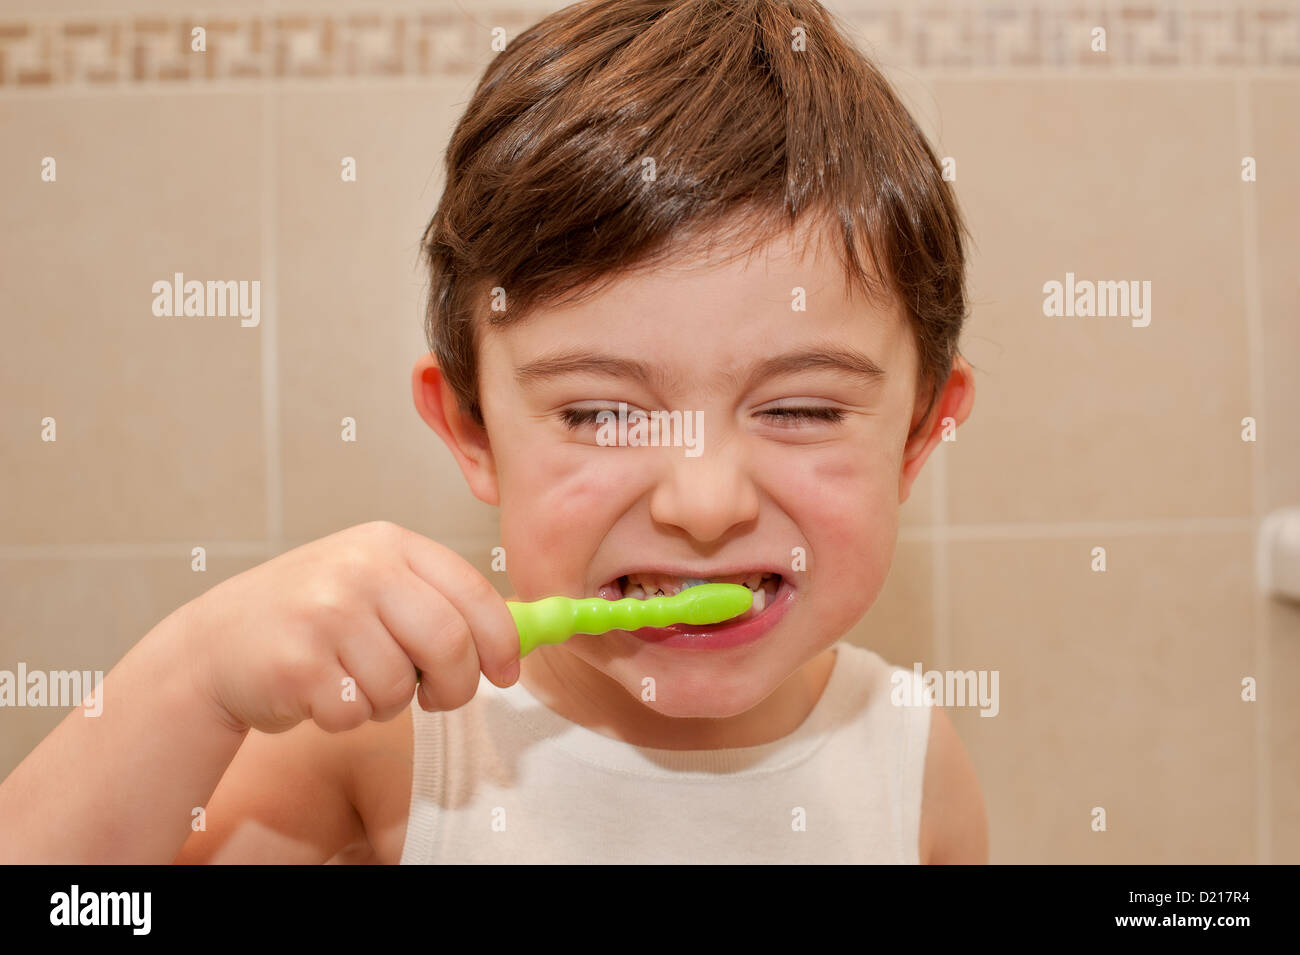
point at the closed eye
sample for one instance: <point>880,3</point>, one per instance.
<point>575,418</point>
<point>790,417</point>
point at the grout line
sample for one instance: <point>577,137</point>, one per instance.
<point>273,474</point>
<point>248,85</point>
<point>1257,451</point>
<point>333,84</point>
<point>1059,530</point>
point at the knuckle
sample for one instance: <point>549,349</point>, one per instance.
<point>353,561</point>
<point>451,691</point>
<point>453,640</point>
<point>299,665</point>
<point>394,697</point>
<point>355,712</point>
<point>282,714</point>
<point>327,600</point>
<point>382,531</point>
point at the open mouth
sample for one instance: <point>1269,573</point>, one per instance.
<point>642,586</point>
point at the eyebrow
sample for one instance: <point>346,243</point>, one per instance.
<point>844,361</point>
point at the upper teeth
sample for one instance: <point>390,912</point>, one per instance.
<point>643,586</point>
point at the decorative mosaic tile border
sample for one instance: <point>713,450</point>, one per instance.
<point>119,50</point>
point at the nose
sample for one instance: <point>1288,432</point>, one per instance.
<point>705,496</point>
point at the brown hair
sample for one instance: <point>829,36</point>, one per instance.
<point>545,197</point>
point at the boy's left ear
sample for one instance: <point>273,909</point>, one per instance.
<point>955,402</point>
<point>437,404</point>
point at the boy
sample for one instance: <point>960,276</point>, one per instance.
<point>650,208</point>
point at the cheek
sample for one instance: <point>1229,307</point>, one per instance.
<point>852,499</point>
<point>848,511</point>
<point>578,489</point>
<point>555,510</point>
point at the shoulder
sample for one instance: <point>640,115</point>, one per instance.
<point>954,826</point>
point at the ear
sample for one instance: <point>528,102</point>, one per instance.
<point>954,401</point>
<point>437,404</point>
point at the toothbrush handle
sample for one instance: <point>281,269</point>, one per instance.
<point>549,620</point>
<point>598,615</point>
<point>555,619</point>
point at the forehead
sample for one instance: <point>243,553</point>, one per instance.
<point>717,299</point>
<point>732,259</point>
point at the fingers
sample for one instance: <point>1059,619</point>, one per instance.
<point>330,709</point>
<point>383,673</point>
<point>492,628</point>
<point>434,636</point>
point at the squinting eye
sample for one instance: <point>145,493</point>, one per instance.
<point>790,417</point>
<point>575,418</point>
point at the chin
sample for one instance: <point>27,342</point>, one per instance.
<point>690,697</point>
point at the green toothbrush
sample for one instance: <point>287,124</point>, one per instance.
<point>555,619</point>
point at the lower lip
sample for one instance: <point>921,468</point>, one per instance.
<point>721,636</point>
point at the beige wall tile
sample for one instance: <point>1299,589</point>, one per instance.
<point>1277,689</point>
<point>159,419</point>
<point>1091,418</point>
<point>918,96</point>
<point>93,11</point>
<point>352,308</point>
<point>900,625</point>
<point>1117,689</point>
<point>1275,143</point>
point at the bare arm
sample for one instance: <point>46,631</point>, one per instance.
<point>283,801</point>
<point>120,787</point>
<point>332,633</point>
<point>954,827</point>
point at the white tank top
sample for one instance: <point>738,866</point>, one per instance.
<point>504,779</point>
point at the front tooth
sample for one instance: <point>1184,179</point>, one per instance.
<point>657,585</point>
<point>650,583</point>
<point>648,586</point>
<point>760,601</point>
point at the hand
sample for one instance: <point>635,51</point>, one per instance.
<point>336,631</point>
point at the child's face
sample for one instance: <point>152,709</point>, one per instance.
<point>813,499</point>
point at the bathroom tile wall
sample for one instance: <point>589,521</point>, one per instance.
<point>1118,689</point>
